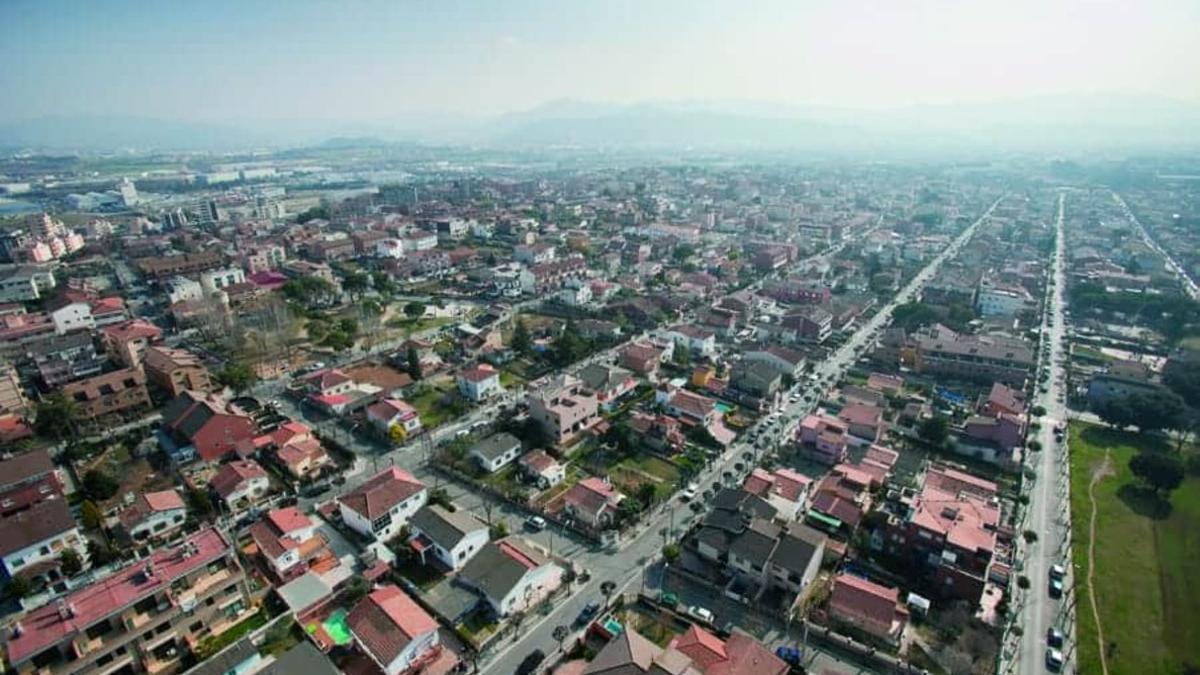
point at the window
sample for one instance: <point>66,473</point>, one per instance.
<point>45,550</point>
<point>16,562</point>
<point>195,627</point>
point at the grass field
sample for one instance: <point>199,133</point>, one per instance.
<point>1147,578</point>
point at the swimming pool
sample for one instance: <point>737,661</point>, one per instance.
<point>723,407</point>
<point>337,629</point>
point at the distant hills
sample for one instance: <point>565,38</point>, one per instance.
<point>1041,123</point>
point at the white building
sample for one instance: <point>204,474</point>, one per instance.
<point>74,316</point>
<point>154,514</point>
<point>183,289</point>
<point>699,341</point>
<point>511,575</point>
<point>215,280</point>
<point>39,534</point>
<point>452,537</point>
<point>384,504</point>
<point>1002,301</point>
<point>496,451</point>
<point>479,383</point>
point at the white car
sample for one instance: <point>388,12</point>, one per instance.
<point>689,492</point>
<point>701,613</point>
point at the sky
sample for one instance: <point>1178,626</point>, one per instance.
<point>362,60</point>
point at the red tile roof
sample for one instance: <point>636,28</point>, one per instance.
<point>386,621</point>
<point>132,330</point>
<point>866,602</point>
<point>289,519</point>
<point>229,477</point>
<point>45,626</point>
<point>383,491</point>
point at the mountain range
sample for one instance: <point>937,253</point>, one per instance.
<point>1049,122</point>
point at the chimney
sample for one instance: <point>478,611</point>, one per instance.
<point>64,610</point>
<point>17,629</point>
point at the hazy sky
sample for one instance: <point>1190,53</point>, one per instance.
<point>366,60</point>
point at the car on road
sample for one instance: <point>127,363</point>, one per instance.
<point>689,492</point>
<point>1056,588</point>
<point>1054,659</point>
<point>535,523</point>
<point>1054,637</point>
<point>1057,571</point>
<point>701,614</point>
<point>587,613</point>
<point>789,655</point>
<point>530,663</point>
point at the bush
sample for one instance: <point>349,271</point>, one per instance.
<point>99,485</point>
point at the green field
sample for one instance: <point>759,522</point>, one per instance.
<point>1147,575</point>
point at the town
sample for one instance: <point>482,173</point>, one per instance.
<point>319,414</point>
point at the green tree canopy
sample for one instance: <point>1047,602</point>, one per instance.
<point>99,485</point>
<point>1160,471</point>
<point>237,376</point>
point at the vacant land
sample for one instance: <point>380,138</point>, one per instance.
<point>1147,561</point>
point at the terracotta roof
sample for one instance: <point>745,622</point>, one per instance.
<point>864,600</point>
<point>378,495</point>
<point>25,466</point>
<point>45,626</point>
<point>479,373</point>
<point>131,330</point>
<point>289,519</point>
<point>386,621</point>
<point>229,477</point>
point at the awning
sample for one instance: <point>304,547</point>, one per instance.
<point>829,521</point>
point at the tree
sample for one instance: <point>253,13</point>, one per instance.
<point>414,363</point>
<point>69,562</point>
<point>934,430</point>
<point>671,553</point>
<point>102,553</point>
<point>355,283</point>
<point>683,251</point>
<point>521,342</point>
<point>18,587</point>
<point>1037,411</point>
<point>681,355</point>
<point>1023,582</point>
<point>570,346</point>
<point>414,310</point>
<point>647,494</point>
<point>1182,376</point>
<point>56,417</point>
<point>237,376</point>
<point>1115,412</point>
<point>560,635</point>
<point>606,589</point>
<point>99,485</point>
<point>199,503</point>
<point>1160,471</point>
<point>1030,536</point>
<point>91,516</point>
<point>1157,410</point>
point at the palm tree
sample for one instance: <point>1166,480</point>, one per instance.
<point>607,589</point>
<point>560,635</point>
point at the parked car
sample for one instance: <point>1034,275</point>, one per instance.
<point>1057,571</point>
<point>689,492</point>
<point>587,613</point>
<point>1056,588</point>
<point>701,613</point>
<point>1054,659</point>
<point>790,655</point>
<point>530,663</point>
<point>1054,637</point>
<point>535,523</point>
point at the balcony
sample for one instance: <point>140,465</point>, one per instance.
<point>202,585</point>
<point>114,665</point>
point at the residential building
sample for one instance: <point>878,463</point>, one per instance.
<point>303,457</point>
<point>784,489</point>
<point>175,371</point>
<point>394,417</point>
<point>610,383</point>
<point>72,316</point>
<point>25,283</point>
<point>698,341</point>
<point>126,343</point>
<point>28,479</point>
<point>289,542</point>
<point>451,537</point>
<point>863,422</point>
<point>479,383</point>
<point>496,451</point>
<point>240,483</point>
<point>694,652</point>
<point>939,351</point>
<point>141,619</point>
<point>693,409</point>
<point>153,515</point>
<point>207,423</point>
<point>182,264</point>
<point>511,575</point>
<point>825,437</point>
<point>564,408</point>
<point>783,360</point>
<point>215,280</point>
<point>809,324</point>
<point>183,289</point>
<point>392,629</point>
<point>1002,299</point>
<point>867,606</point>
<point>950,529</point>
<point>593,502</point>
<point>658,432</point>
<point>12,394</point>
<point>641,358</point>
<point>542,469</point>
<point>757,379</point>
<point>381,506</point>
<point>111,393</point>
<point>32,542</point>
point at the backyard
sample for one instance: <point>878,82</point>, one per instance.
<point>437,403</point>
<point>1146,585</point>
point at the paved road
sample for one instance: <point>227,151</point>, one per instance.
<point>1189,284</point>
<point>626,566</point>
<point>1048,513</point>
